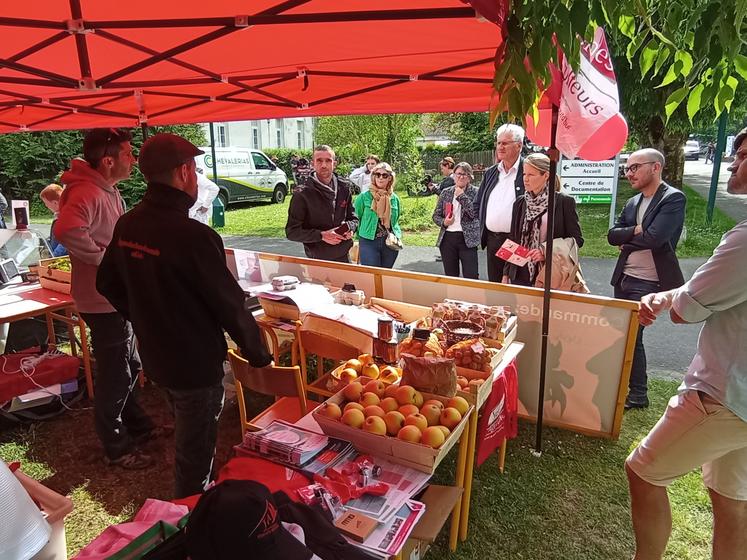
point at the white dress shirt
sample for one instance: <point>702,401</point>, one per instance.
<point>456,212</point>
<point>501,200</point>
<point>206,193</point>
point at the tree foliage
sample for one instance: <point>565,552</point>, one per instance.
<point>29,161</point>
<point>391,137</point>
<point>693,48</point>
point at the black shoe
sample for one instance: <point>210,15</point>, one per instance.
<point>642,403</point>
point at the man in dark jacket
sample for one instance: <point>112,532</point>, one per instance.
<point>321,214</point>
<point>646,232</point>
<point>167,274</point>
<point>501,185</point>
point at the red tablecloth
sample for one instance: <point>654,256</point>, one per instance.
<point>500,413</point>
<point>45,373</point>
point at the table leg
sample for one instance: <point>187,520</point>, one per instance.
<point>469,471</point>
<point>51,337</point>
<point>459,483</point>
<point>71,332</point>
<point>86,356</point>
<point>502,455</point>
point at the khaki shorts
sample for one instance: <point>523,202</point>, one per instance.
<point>695,431</point>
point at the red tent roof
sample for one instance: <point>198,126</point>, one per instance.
<point>84,63</point>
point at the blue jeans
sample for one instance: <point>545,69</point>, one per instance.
<point>633,289</point>
<point>117,415</point>
<point>374,252</point>
<point>196,414</point>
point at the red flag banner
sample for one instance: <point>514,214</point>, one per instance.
<point>499,418</point>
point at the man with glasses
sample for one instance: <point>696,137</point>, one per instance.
<point>89,207</point>
<point>705,424</point>
<point>646,232</point>
<point>501,185</point>
<point>321,214</point>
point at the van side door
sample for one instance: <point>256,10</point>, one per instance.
<point>264,169</point>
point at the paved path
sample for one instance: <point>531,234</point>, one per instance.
<point>698,176</point>
<point>669,347</point>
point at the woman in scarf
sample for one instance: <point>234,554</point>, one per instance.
<point>529,220</point>
<point>460,227</point>
<point>378,210</point>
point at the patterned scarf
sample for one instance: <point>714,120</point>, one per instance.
<point>531,229</point>
<point>381,204</point>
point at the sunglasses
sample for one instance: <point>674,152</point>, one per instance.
<point>382,175</point>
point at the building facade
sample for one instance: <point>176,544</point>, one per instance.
<point>262,134</point>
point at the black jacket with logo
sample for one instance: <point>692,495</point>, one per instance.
<point>167,274</point>
<point>314,209</point>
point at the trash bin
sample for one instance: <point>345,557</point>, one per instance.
<point>219,216</point>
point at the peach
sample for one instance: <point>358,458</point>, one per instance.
<point>462,381</point>
<point>433,437</point>
<point>390,379</point>
<point>370,370</point>
<point>355,405</point>
<point>365,359</point>
<point>405,395</point>
<point>431,412</point>
<point>436,402</point>
<point>375,425</point>
<point>450,417</point>
<point>368,399</point>
<point>353,391</point>
<point>418,400</point>
<point>373,410</point>
<point>460,403</point>
<point>410,433</point>
<point>353,418</point>
<point>408,409</point>
<point>391,391</point>
<point>330,410</point>
<point>389,404</point>
<point>377,387</point>
<point>348,375</point>
<point>416,420</point>
<point>389,370</point>
<point>394,422</point>
<point>445,430</point>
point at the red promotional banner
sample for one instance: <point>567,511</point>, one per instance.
<point>500,414</point>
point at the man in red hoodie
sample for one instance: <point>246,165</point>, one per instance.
<point>89,208</point>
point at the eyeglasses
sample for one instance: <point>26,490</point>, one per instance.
<point>504,144</point>
<point>461,174</point>
<point>382,175</point>
<point>635,167</point>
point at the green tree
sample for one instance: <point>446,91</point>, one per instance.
<point>391,137</point>
<point>472,132</point>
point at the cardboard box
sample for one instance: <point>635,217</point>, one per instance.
<point>408,312</point>
<point>415,455</point>
<point>285,309</point>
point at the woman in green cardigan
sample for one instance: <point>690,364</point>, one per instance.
<point>378,212</point>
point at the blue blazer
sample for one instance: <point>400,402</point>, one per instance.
<point>662,226</point>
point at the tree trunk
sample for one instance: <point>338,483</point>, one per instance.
<point>670,143</point>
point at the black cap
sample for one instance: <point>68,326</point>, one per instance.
<point>239,519</point>
<point>164,152</point>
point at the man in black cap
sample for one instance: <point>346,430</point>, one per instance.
<point>167,274</point>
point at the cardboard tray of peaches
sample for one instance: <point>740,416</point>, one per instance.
<point>361,368</point>
<point>396,422</point>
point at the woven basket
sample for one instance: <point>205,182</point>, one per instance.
<point>457,331</point>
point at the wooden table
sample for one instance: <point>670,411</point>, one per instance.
<point>19,300</point>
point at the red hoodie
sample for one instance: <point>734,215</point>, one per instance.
<point>89,209</point>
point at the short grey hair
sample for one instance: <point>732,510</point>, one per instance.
<point>517,133</point>
<point>467,168</point>
<point>652,154</point>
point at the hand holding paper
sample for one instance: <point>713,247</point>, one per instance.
<point>514,253</point>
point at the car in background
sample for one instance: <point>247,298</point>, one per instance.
<point>244,174</point>
<point>692,150</point>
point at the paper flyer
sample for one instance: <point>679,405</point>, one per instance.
<point>514,253</point>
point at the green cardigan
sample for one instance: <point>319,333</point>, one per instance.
<point>369,219</point>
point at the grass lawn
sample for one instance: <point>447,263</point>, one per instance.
<point>268,220</point>
<point>569,504</point>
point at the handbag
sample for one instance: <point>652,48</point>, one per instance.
<point>393,242</point>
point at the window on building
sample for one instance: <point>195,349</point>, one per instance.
<point>301,128</point>
<point>255,138</point>
<point>279,137</point>
<point>221,134</point>
<point>299,140</point>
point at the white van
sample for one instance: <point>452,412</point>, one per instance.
<point>244,174</point>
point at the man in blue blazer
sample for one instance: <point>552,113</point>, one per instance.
<point>646,232</point>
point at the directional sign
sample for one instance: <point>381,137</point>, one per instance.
<point>585,168</point>
<point>583,186</point>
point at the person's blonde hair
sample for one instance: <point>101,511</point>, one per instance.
<point>542,164</point>
<point>52,192</point>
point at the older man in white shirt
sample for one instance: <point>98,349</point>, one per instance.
<point>501,184</point>
<point>206,193</point>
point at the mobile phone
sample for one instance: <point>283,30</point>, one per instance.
<point>342,229</point>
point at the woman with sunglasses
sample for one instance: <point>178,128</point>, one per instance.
<point>529,220</point>
<point>378,210</point>
<point>457,216</point>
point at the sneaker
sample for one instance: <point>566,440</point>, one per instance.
<point>636,403</point>
<point>132,461</point>
<point>156,433</point>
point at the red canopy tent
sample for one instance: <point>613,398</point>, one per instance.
<point>84,63</point>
